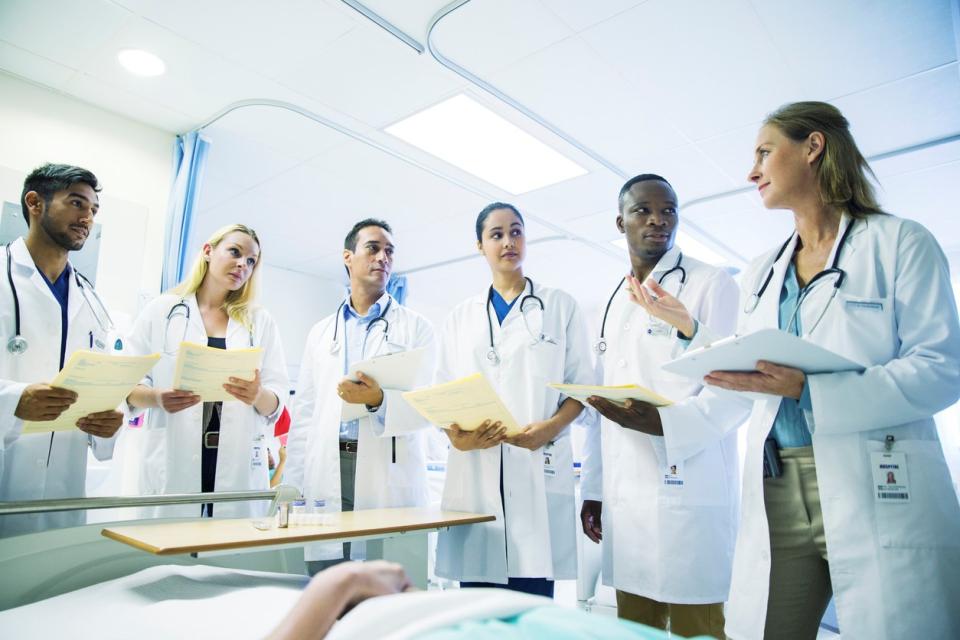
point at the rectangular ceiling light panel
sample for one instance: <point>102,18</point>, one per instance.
<point>470,136</point>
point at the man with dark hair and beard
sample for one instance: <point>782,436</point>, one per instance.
<point>48,311</point>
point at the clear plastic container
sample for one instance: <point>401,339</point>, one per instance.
<point>298,513</point>
<point>319,515</point>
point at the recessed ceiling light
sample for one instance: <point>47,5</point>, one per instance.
<point>470,136</point>
<point>690,246</point>
<point>141,63</point>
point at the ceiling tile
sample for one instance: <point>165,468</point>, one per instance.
<point>486,36</point>
<point>126,103</point>
<point>286,132</point>
<point>572,198</point>
<point>35,68</point>
<point>848,46</point>
<point>579,15</point>
<point>710,68</point>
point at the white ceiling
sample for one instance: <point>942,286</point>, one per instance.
<point>676,88</point>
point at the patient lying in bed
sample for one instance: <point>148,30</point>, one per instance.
<point>211,602</point>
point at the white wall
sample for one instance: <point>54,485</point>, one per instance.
<point>296,301</point>
<point>131,160</point>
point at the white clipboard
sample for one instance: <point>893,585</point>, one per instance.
<point>395,371</point>
<point>740,353</point>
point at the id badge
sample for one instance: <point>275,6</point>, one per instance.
<point>890,479</point>
<point>658,328</point>
<point>549,468</point>
<point>673,476</point>
<point>257,459</point>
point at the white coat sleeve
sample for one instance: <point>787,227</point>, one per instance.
<point>924,377</point>
<point>139,343</point>
<point>400,418</point>
<point>10,426</point>
<point>578,364</point>
<point>273,370</point>
<point>693,424</point>
<point>302,410</point>
<point>591,464</point>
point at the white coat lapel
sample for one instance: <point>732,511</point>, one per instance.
<point>768,309</point>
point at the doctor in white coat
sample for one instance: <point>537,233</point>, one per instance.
<point>681,502</point>
<point>48,312</point>
<point>866,511</point>
<point>377,460</point>
<point>192,446</point>
<point>521,336</point>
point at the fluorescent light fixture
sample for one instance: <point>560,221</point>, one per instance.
<point>141,63</point>
<point>470,136</point>
<point>690,246</point>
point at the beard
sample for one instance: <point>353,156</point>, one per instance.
<point>62,238</point>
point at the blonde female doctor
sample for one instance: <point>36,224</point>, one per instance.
<point>521,336</point>
<point>192,446</point>
<point>858,503</point>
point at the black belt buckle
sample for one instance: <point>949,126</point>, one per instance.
<point>211,439</point>
<point>350,446</point>
<point>772,465</point>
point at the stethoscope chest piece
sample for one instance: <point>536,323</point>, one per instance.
<point>17,344</point>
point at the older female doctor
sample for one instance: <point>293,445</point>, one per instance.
<point>211,446</point>
<point>876,289</point>
<point>521,336</point>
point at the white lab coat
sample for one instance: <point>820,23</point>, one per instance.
<point>540,539</point>
<point>687,531</point>
<point>172,446</point>
<point>24,472</point>
<point>313,452</point>
<point>894,567</point>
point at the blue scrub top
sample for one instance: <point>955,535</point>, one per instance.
<point>61,291</point>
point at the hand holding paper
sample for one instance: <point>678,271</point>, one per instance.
<point>205,370</point>
<point>394,371</point>
<point>616,394</point>
<point>100,383</point>
<point>468,402</point>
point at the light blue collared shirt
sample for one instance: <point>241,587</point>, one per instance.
<point>355,334</point>
<point>790,426</point>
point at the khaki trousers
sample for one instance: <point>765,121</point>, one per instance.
<point>800,587</point>
<point>685,620</point>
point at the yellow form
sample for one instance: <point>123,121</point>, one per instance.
<point>467,402</point>
<point>618,394</point>
<point>204,370</point>
<point>101,382</point>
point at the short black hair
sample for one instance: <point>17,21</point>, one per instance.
<point>51,178</point>
<point>490,208</point>
<point>643,177</point>
<point>350,242</point>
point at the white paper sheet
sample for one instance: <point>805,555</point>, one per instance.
<point>101,381</point>
<point>204,370</point>
<point>395,371</point>
<point>741,353</point>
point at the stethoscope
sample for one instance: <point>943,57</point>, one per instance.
<point>18,344</point>
<point>335,343</point>
<point>525,302</point>
<point>833,270</point>
<point>181,308</point>
<point>601,346</point>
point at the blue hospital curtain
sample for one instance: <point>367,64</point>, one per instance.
<point>397,287</point>
<point>190,152</point>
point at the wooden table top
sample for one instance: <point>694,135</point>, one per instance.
<point>211,534</point>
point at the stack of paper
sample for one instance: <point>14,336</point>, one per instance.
<point>466,402</point>
<point>101,382</point>
<point>618,394</point>
<point>204,370</point>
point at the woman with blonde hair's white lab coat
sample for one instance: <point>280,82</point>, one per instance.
<point>521,336</point>
<point>191,446</point>
<point>876,289</point>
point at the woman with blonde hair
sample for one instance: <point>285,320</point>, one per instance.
<point>192,446</point>
<point>819,517</point>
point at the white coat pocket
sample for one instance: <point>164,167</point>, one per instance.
<point>932,516</point>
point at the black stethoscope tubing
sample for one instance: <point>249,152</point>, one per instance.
<point>380,318</point>
<point>492,352</point>
<point>602,343</point>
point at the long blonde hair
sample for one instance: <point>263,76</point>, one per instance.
<point>240,303</point>
<point>841,169</point>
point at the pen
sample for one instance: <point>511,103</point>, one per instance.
<point>91,339</point>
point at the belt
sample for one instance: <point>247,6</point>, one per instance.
<point>350,446</point>
<point>211,439</point>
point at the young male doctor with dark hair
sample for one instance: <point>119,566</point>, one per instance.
<point>48,311</point>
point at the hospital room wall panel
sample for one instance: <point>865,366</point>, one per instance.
<point>131,160</point>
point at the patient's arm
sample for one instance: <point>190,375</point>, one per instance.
<point>333,590</point>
